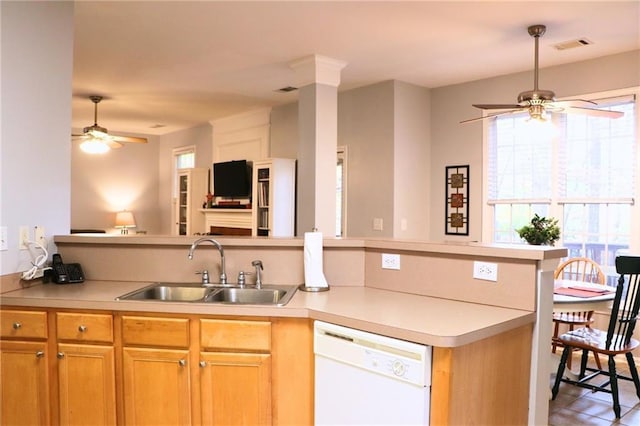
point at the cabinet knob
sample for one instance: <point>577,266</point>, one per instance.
<point>82,328</point>
<point>203,364</point>
<point>39,354</point>
<point>182,362</point>
<point>16,325</point>
<point>60,355</point>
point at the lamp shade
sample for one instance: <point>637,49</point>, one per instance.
<point>124,220</point>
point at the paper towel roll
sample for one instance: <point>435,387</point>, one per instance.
<point>313,275</point>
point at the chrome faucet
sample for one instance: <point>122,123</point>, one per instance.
<point>258,265</point>
<point>223,273</point>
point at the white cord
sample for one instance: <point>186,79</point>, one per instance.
<point>37,262</point>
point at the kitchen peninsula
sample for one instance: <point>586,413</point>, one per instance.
<point>477,328</point>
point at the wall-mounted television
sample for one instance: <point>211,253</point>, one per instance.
<point>232,179</point>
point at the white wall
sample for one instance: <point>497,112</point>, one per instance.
<point>35,148</point>
<point>454,143</point>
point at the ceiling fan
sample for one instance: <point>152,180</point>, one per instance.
<point>539,102</point>
<point>96,138</point>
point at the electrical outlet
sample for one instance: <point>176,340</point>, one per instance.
<point>23,237</point>
<point>485,271</point>
<point>39,236</point>
<point>390,261</point>
<point>377,224</point>
<point>4,244</point>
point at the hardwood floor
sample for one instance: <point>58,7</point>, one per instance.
<point>577,406</point>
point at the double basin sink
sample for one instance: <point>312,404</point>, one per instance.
<point>197,293</point>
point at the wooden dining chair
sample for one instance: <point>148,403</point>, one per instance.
<point>617,339</point>
<point>575,269</point>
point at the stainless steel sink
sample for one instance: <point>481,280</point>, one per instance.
<point>252,296</point>
<point>168,292</point>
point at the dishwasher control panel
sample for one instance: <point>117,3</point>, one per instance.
<point>399,359</point>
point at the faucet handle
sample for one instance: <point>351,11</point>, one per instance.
<point>205,276</point>
<point>242,278</point>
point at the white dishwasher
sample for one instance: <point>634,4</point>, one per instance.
<point>367,379</point>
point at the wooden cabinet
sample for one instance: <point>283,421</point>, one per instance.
<point>235,372</point>
<point>63,367</point>
<point>157,387</point>
<point>156,377</point>
<point>86,369</point>
<point>25,383</point>
<point>191,194</point>
<point>24,368</point>
<point>230,384</point>
<point>274,182</point>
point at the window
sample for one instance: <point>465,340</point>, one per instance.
<point>183,158</point>
<point>580,169</point>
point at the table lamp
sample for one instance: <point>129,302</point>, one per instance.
<point>124,221</point>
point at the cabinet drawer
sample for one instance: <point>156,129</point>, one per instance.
<point>154,331</point>
<point>235,335</point>
<point>84,327</point>
<point>24,324</point>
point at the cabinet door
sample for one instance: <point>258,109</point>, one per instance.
<point>156,387</point>
<point>24,383</point>
<point>235,388</point>
<point>87,384</point>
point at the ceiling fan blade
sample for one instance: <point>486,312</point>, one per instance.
<point>491,115</point>
<point>578,103</point>
<point>114,144</point>
<point>595,112</point>
<point>497,106</point>
<point>131,139</point>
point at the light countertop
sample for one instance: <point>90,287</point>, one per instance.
<point>421,319</point>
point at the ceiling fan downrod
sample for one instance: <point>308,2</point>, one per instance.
<point>536,31</point>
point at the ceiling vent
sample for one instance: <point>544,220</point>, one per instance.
<point>287,89</point>
<point>572,44</point>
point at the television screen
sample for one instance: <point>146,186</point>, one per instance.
<point>232,179</point>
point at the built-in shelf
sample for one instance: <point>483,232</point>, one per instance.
<point>274,197</point>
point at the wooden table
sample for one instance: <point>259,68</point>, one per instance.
<point>563,303</point>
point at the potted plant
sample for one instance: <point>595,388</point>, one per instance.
<point>541,231</point>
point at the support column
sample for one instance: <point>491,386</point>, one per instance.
<point>318,78</point>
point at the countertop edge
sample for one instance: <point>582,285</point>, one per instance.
<point>302,305</point>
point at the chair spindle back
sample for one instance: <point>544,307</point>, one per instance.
<point>626,304</point>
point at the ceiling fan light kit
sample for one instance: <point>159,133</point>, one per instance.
<point>538,102</point>
<point>94,146</point>
<point>97,139</point>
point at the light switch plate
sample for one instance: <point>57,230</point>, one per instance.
<point>4,244</point>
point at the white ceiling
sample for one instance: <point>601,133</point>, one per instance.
<point>180,64</point>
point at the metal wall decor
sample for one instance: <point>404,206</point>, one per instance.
<point>457,202</point>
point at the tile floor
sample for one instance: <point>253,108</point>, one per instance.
<point>577,406</point>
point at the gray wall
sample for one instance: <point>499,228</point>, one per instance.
<point>35,149</point>
<point>385,127</point>
<point>411,168</point>
<point>202,138</point>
